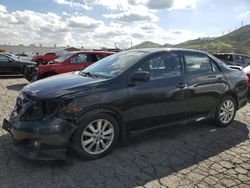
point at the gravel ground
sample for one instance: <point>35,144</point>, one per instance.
<point>197,155</point>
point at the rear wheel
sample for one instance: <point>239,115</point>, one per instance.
<point>225,112</point>
<point>96,136</point>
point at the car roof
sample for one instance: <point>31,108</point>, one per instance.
<point>155,50</point>
<point>92,52</point>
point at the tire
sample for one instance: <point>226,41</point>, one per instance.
<point>29,73</point>
<point>86,143</point>
<point>228,106</point>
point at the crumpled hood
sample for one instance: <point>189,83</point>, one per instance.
<point>59,85</point>
<point>27,62</point>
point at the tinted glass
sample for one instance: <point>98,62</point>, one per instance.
<point>163,66</point>
<point>238,59</point>
<point>246,59</point>
<point>63,57</point>
<point>199,64</point>
<point>3,58</point>
<point>92,58</point>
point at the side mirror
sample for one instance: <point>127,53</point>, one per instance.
<point>140,76</point>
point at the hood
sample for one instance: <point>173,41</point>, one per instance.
<point>59,85</point>
<point>27,62</point>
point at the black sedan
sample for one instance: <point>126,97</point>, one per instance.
<point>122,95</point>
<point>12,64</point>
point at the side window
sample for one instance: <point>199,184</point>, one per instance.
<point>238,59</point>
<point>92,58</point>
<point>50,54</point>
<point>99,57</point>
<point>247,60</point>
<point>163,66</point>
<point>3,58</point>
<point>215,67</point>
<point>80,58</point>
<point>200,64</point>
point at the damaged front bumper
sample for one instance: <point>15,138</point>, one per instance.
<point>42,140</point>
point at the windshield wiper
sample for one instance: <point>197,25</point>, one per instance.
<point>89,74</point>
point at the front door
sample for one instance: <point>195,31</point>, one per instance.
<point>162,99</point>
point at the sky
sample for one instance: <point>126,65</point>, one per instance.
<point>120,23</point>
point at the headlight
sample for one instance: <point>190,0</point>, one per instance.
<point>39,110</point>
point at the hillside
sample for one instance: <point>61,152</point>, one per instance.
<point>147,44</point>
<point>237,41</point>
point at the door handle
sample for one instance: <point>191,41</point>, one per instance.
<point>181,85</point>
<point>220,80</point>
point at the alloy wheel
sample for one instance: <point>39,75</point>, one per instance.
<point>97,136</point>
<point>226,111</point>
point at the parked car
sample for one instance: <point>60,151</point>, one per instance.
<point>122,95</point>
<point>24,57</point>
<point>12,65</point>
<point>68,62</point>
<point>234,59</point>
<point>45,58</point>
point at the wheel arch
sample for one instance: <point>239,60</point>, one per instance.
<point>108,110</point>
<point>232,94</point>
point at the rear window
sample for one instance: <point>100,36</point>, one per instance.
<point>200,64</point>
<point>224,57</point>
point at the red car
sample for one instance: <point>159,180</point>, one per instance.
<point>69,62</point>
<point>45,58</point>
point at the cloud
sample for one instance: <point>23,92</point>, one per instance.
<point>159,4</point>
<point>83,22</point>
<point>129,4</point>
<point>181,4</point>
<point>73,3</point>
<point>133,16</point>
<point>123,27</point>
<point>244,14</point>
<point>3,9</point>
<point>28,27</point>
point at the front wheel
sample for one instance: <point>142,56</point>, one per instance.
<point>225,112</point>
<point>96,136</point>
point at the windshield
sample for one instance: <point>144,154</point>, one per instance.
<point>12,57</point>
<point>114,65</point>
<point>63,57</point>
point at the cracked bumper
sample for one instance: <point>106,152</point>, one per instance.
<point>41,140</point>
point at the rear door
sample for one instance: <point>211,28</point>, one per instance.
<point>206,84</point>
